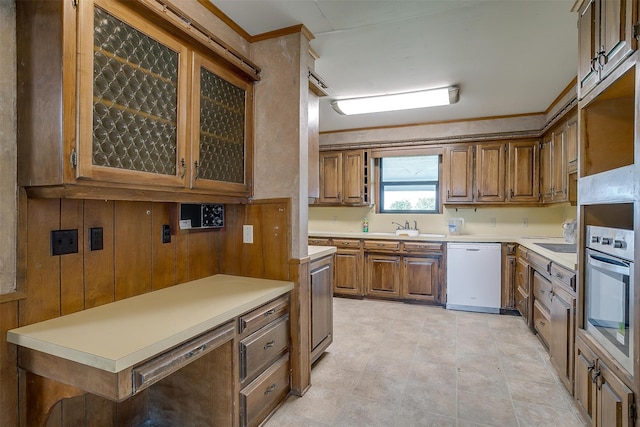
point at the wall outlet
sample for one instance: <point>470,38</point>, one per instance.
<point>247,234</point>
<point>95,239</point>
<point>64,242</point>
<point>166,233</point>
<point>492,222</point>
<point>525,222</point>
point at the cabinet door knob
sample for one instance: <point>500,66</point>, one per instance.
<point>184,168</point>
<point>196,165</point>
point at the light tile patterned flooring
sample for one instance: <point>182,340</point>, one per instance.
<point>395,364</point>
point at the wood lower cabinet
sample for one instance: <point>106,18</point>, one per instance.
<point>264,360</point>
<point>563,308</point>
<point>404,270</point>
<point>348,268</point>
<point>603,399</point>
<point>321,306</point>
<point>382,275</point>
<point>420,278</point>
<point>522,285</point>
<point>509,268</point>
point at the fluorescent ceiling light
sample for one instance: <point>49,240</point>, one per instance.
<point>397,101</point>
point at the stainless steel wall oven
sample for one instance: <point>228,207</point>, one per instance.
<point>609,291</point>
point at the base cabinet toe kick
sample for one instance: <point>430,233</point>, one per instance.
<point>235,373</point>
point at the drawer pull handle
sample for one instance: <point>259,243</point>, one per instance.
<point>541,323</point>
<point>559,276</point>
<point>269,344</point>
<point>195,351</point>
<point>270,389</point>
<point>269,312</point>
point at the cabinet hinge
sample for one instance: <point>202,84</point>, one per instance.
<point>632,413</point>
<point>74,3</point>
<point>636,30</point>
<point>73,158</point>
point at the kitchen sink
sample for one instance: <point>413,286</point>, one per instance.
<point>564,248</point>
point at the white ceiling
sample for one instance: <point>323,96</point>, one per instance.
<point>507,56</point>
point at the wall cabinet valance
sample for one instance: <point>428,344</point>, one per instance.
<point>110,97</point>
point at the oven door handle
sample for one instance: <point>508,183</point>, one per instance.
<point>609,264</point>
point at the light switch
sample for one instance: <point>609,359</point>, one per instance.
<point>247,234</point>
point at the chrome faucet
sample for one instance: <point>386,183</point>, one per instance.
<point>400,227</point>
<point>406,225</point>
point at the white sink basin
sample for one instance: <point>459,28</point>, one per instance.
<point>437,236</point>
<point>410,233</point>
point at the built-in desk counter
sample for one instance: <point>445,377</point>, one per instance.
<point>111,350</point>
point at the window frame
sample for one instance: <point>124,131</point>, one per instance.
<point>379,155</point>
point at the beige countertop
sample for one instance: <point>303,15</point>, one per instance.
<point>317,252</point>
<point>121,334</point>
<point>569,260</point>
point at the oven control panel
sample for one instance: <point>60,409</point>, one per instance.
<point>612,241</point>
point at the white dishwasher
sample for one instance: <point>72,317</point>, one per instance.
<point>474,277</point>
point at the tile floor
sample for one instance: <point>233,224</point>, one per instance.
<point>395,364</point>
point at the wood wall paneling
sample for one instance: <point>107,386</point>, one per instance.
<point>202,262</point>
<point>132,248</point>
<point>99,273</point>
<point>8,371</point>
<point>71,265</point>
<point>42,269</point>
<point>163,255</point>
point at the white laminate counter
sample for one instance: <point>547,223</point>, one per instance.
<point>568,260</point>
<point>119,335</point>
<point>317,252</point>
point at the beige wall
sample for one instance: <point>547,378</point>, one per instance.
<point>542,221</point>
<point>281,129</point>
<point>7,147</point>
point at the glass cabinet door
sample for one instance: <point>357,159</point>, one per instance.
<point>132,98</point>
<point>221,134</point>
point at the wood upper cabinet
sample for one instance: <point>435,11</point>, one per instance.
<point>490,172</point>
<point>344,177</point>
<point>553,167</point>
<point>571,144</point>
<point>523,181</point>
<point>330,177</point>
<point>421,278</point>
<point>458,174</point>
<point>114,104</point>
<point>606,36</point>
<point>221,131</point>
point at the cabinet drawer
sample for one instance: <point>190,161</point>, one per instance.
<point>162,366</point>
<point>260,349</point>
<point>422,247</point>
<point>317,241</point>
<point>347,243</point>
<point>379,245</point>
<point>542,291</point>
<point>260,317</point>
<point>260,397</point>
<point>564,275</point>
<point>542,322</point>
<point>538,262</point>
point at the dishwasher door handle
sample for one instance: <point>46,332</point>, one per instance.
<point>472,250</point>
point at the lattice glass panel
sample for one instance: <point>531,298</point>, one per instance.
<point>135,99</point>
<point>222,119</point>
